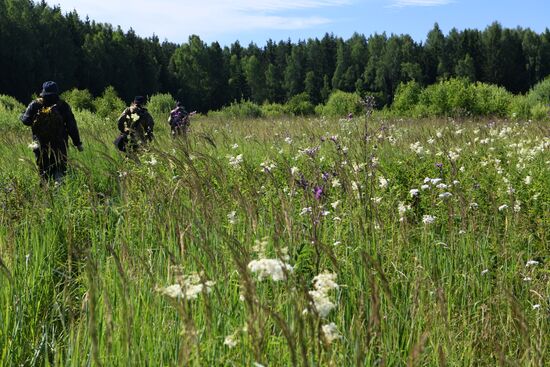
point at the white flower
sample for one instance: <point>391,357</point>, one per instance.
<point>34,145</point>
<point>517,206</point>
<point>402,208</point>
<point>474,206</point>
<point>288,140</point>
<point>425,187</point>
<point>428,219</point>
<point>435,181</point>
<point>442,186</point>
<point>235,161</point>
<point>274,268</point>
<point>336,182</point>
<point>502,207</point>
<point>417,148</point>
<point>536,307</point>
<point>337,243</point>
<point>134,117</point>
<point>335,204</point>
<point>231,340</point>
<point>235,146</point>
<point>413,192</point>
<point>531,262</point>
<point>483,272</point>
<point>325,282</point>
<point>376,200</point>
<point>445,195</point>
<point>330,332</point>
<point>305,210</point>
<point>231,217</point>
<point>528,180</point>
<point>383,182</point>
<point>527,279</point>
<point>294,170</point>
<point>189,288</point>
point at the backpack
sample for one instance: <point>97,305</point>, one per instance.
<point>177,117</point>
<point>49,125</point>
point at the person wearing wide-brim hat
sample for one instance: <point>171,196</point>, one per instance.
<point>135,125</point>
<point>52,123</point>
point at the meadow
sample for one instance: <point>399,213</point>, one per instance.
<point>275,242</point>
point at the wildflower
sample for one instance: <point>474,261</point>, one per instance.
<point>428,219</point>
<point>474,206</point>
<point>442,186</point>
<point>267,166</point>
<point>517,206</point>
<point>34,145</point>
<point>402,208</point>
<point>425,187</point>
<point>536,307</point>
<point>318,192</point>
<point>288,140</point>
<point>325,282</point>
<point>190,287</point>
<point>383,182</point>
<point>231,217</point>
<point>414,192</point>
<point>305,211</point>
<point>335,204</point>
<point>230,341</point>
<point>336,183</point>
<point>376,200</point>
<point>531,262</point>
<point>153,161</point>
<point>445,195</point>
<point>294,171</point>
<point>235,161</point>
<point>502,207</point>
<point>417,148</point>
<point>435,181</point>
<point>483,272</point>
<point>527,279</point>
<point>330,332</point>
<point>456,182</point>
<point>235,146</point>
<point>528,180</point>
<point>274,268</point>
<point>337,243</point>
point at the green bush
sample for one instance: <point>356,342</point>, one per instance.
<point>406,97</point>
<point>520,108</point>
<point>540,92</point>
<point>109,105</point>
<point>79,99</point>
<point>300,105</point>
<point>491,100</point>
<point>273,110</point>
<point>540,112</point>
<point>8,103</point>
<point>161,104</point>
<point>243,109</point>
<point>341,103</point>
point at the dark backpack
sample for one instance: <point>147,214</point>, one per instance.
<point>49,125</point>
<point>177,117</point>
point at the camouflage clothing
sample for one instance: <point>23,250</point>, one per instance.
<point>136,126</point>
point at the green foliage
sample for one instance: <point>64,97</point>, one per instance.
<point>406,97</point>
<point>8,103</point>
<point>340,104</point>
<point>491,100</point>
<point>79,99</point>
<point>300,105</point>
<point>236,110</point>
<point>541,92</point>
<point>540,112</point>
<point>272,110</point>
<point>161,104</point>
<point>520,108</point>
<point>109,105</point>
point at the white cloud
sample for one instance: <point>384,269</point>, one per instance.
<point>176,19</point>
<point>405,3</point>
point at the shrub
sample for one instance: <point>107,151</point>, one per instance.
<point>9,103</point>
<point>406,97</point>
<point>341,103</point>
<point>540,112</point>
<point>273,110</point>
<point>491,100</point>
<point>79,99</point>
<point>109,105</point>
<point>161,104</point>
<point>520,108</point>
<point>243,109</point>
<point>540,92</point>
<point>300,105</point>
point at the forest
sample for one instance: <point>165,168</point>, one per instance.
<point>44,43</point>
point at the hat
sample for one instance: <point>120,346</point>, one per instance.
<point>49,88</point>
<point>139,100</point>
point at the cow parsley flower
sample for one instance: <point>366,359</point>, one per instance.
<point>191,286</point>
<point>232,217</point>
<point>330,332</point>
<point>270,268</point>
<point>235,161</point>
<point>445,195</point>
<point>414,192</point>
<point>428,219</point>
<point>383,183</point>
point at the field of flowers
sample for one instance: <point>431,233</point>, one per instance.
<point>308,242</point>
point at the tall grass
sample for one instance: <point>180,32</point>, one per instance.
<point>84,266</point>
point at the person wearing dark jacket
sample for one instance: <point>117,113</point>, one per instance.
<point>179,120</point>
<point>135,125</point>
<point>52,123</point>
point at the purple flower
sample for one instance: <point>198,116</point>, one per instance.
<point>302,182</point>
<point>318,191</point>
<point>439,165</point>
<point>325,176</point>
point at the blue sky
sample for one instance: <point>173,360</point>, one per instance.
<point>259,20</point>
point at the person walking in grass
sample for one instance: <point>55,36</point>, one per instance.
<point>52,122</point>
<point>179,120</point>
<point>135,125</point>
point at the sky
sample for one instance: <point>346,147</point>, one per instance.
<point>226,21</point>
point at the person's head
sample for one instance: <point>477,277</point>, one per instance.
<point>179,104</point>
<point>139,101</point>
<point>50,92</point>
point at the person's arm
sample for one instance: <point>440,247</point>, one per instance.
<point>29,115</point>
<point>122,120</point>
<point>72,127</point>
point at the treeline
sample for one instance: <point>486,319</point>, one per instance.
<point>41,43</point>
